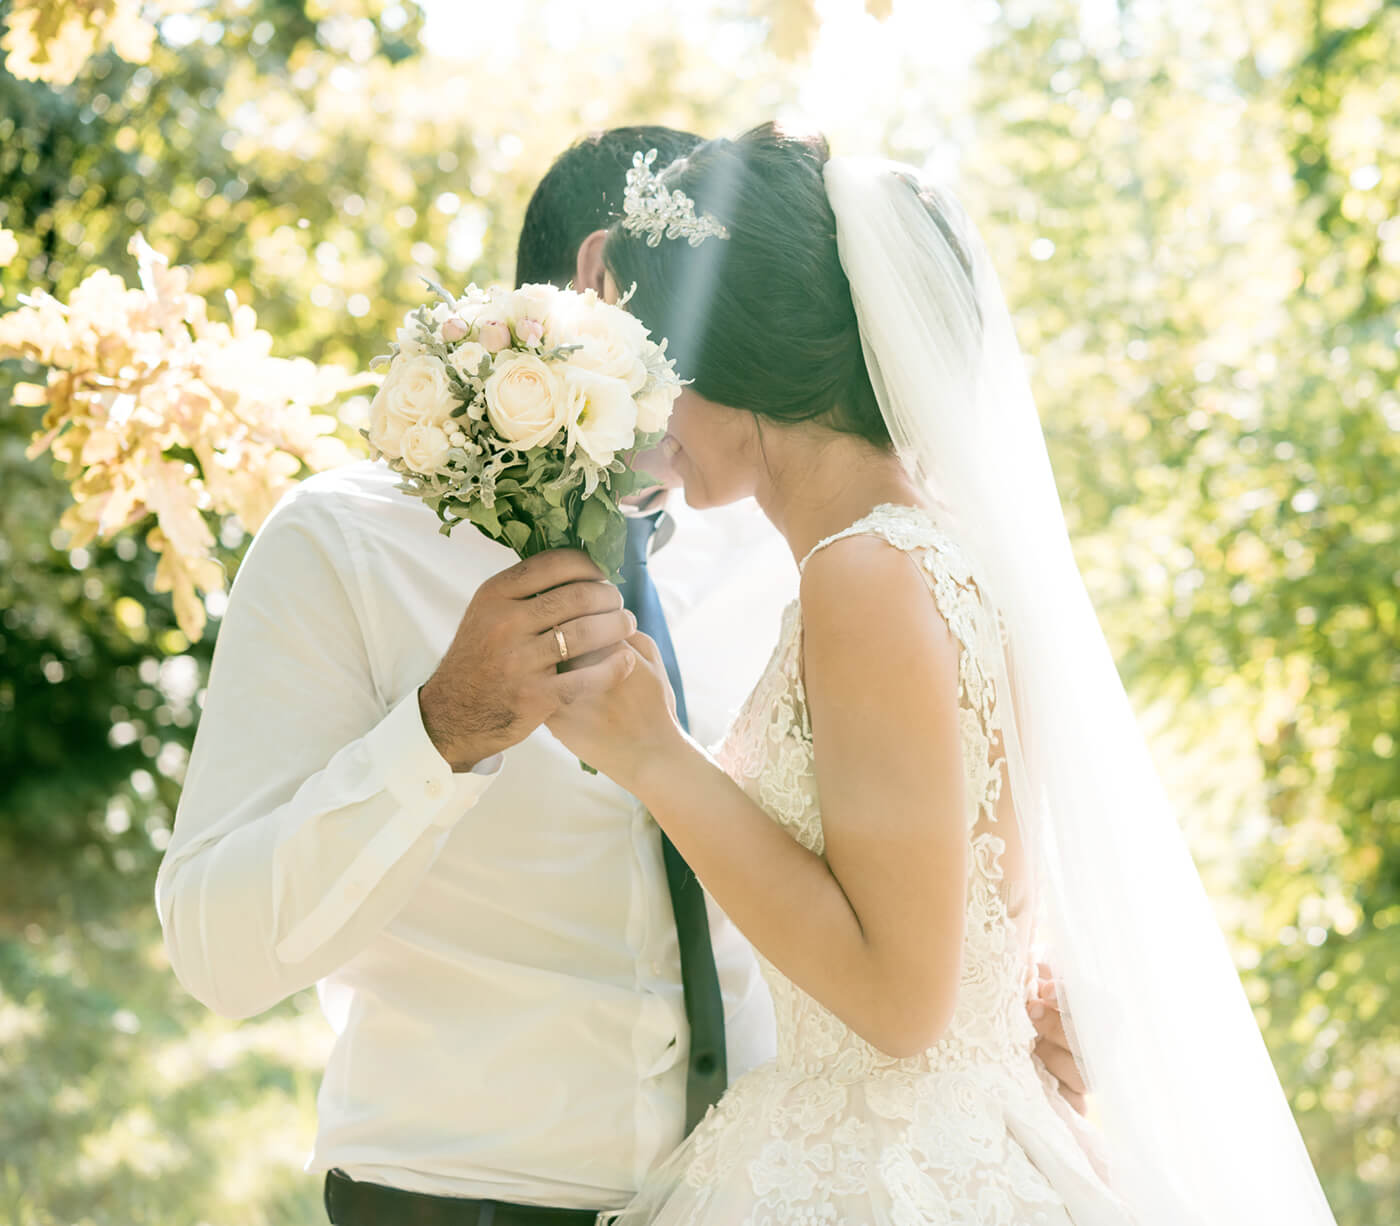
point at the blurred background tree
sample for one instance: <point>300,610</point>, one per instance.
<point>1196,215</point>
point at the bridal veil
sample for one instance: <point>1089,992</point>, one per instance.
<point>1197,1126</point>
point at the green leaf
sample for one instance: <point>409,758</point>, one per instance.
<point>629,481</point>
<point>556,534</point>
<point>486,518</point>
<point>517,534</point>
<point>593,520</point>
<point>609,547</point>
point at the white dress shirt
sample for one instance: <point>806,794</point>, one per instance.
<point>495,951</point>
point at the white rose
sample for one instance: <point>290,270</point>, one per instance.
<point>524,401</point>
<point>654,406</point>
<point>425,449</point>
<point>421,392</point>
<point>473,296</point>
<point>386,424</point>
<point>612,344</point>
<point>530,302</point>
<point>602,413</point>
<point>466,358</point>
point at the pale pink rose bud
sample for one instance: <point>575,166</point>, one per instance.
<point>454,329</point>
<point>493,335</point>
<point>530,331</point>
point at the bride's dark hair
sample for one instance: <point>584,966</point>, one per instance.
<point>762,320</point>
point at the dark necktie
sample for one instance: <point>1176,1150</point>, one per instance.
<point>704,1007</point>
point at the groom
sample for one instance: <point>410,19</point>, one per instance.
<point>532,999</point>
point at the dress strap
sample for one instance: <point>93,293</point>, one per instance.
<point>856,529</point>
<point>904,527</point>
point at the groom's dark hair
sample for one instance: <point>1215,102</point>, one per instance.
<point>582,192</point>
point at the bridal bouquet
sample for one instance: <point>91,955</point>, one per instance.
<point>518,410</point>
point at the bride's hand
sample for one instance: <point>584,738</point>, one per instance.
<point>1052,1042</point>
<point>622,730</point>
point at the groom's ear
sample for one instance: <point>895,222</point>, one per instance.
<point>589,272</point>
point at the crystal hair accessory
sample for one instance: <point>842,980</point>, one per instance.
<point>651,210</point>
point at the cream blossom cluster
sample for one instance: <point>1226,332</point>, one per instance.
<point>158,411</point>
<point>51,40</point>
<point>517,410</point>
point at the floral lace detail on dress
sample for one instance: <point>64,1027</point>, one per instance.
<point>769,753</point>
<point>835,1131</point>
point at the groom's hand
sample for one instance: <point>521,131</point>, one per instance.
<point>500,679</point>
<point>1052,1045</point>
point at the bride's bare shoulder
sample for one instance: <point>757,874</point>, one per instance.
<point>862,598</point>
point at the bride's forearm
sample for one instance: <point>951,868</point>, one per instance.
<point>784,898</point>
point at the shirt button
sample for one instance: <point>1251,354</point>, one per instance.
<point>432,787</point>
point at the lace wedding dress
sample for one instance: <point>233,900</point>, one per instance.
<point>834,1131</point>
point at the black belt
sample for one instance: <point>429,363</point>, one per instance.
<point>352,1203</point>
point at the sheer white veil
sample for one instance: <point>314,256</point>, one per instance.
<point>1196,1125</point>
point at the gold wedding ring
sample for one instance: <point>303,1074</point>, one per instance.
<point>563,646</point>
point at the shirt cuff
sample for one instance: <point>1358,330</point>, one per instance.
<point>430,797</point>
<point>416,774</point>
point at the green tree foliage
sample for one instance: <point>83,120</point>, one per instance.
<point>1211,207</point>
<point>246,149</point>
<point>1195,211</point>
<point>84,642</point>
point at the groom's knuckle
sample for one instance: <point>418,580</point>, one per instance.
<point>573,600</point>
<point>580,636</point>
<point>604,629</point>
<point>551,605</point>
<point>562,603</point>
<point>606,597</point>
<point>580,601</point>
<point>592,596</point>
<point>517,578</point>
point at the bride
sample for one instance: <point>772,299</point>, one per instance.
<point>939,766</point>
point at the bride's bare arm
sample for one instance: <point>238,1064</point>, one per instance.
<point>874,928</point>
<point>881,680</point>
